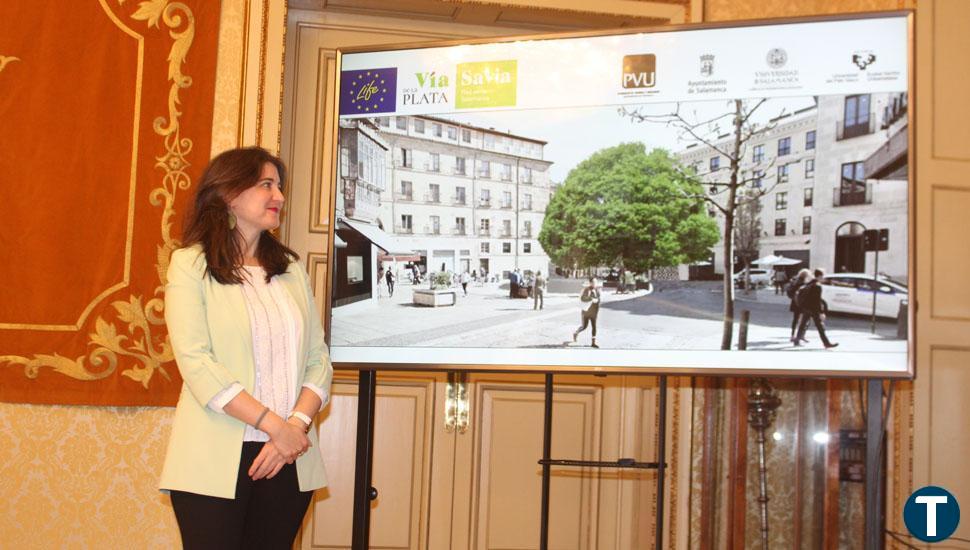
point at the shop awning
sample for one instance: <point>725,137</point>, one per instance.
<point>376,235</point>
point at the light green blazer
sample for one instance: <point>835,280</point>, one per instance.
<point>208,325</point>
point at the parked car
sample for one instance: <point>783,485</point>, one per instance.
<point>759,278</point>
<point>852,293</point>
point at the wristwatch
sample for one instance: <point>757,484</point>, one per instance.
<point>302,418</point>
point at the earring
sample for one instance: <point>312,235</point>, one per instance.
<point>232,221</point>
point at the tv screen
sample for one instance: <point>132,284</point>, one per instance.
<point>715,199</point>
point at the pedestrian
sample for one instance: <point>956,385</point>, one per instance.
<point>380,280</point>
<point>591,298</point>
<point>465,278</point>
<point>237,466</point>
<point>538,291</point>
<point>780,279</point>
<point>513,283</point>
<point>389,275</point>
<point>792,291</point>
<point>809,298</point>
<point>416,274</point>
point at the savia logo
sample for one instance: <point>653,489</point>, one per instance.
<point>640,71</point>
<point>863,59</point>
<point>776,58</point>
<point>707,65</point>
<point>931,514</point>
<point>431,89</point>
<point>486,84</point>
<point>368,91</point>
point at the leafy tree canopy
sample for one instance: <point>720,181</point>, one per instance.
<point>625,207</point>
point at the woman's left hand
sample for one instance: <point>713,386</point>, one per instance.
<point>268,463</point>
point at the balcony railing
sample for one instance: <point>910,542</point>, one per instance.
<point>459,230</point>
<point>526,234</point>
<point>506,205</point>
<point>485,203</point>
<point>460,201</point>
<point>403,230</point>
<point>526,207</point>
<point>484,232</point>
<point>894,111</point>
<point>458,171</point>
<point>842,197</point>
<point>861,128</point>
<point>404,196</point>
<point>432,198</point>
<point>506,234</point>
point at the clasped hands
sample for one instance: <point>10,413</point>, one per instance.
<point>288,441</point>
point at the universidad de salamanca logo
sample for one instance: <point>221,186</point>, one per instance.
<point>368,91</point>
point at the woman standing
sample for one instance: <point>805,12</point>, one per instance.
<point>248,342</point>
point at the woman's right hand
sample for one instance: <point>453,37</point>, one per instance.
<point>290,440</point>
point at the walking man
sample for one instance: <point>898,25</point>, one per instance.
<point>780,278</point>
<point>591,298</point>
<point>538,291</point>
<point>389,275</point>
<point>513,283</point>
<point>465,277</point>
<point>809,299</point>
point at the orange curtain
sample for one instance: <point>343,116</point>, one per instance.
<point>105,125</point>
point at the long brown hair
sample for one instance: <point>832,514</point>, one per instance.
<point>227,175</point>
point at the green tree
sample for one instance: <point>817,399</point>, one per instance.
<point>625,207</point>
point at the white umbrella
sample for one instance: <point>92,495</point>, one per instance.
<point>770,259</point>
<point>787,261</point>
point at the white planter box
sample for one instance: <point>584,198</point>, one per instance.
<point>435,298</point>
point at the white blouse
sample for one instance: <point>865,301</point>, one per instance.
<point>277,328</point>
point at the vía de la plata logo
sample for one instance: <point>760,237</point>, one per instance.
<point>431,89</point>
<point>486,84</point>
<point>368,91</point>
<point>640,71</point>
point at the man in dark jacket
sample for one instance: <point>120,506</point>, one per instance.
<point>591,298</point>
<point>809,299</point>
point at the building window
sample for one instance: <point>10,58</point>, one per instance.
<point>507,248</point>
<point>486,198</point>
<point>783,173</point>
<point>809,196</point>
<point>506,228</point>
<point>401,122</point>
<point>406,158</point>
<point>459,226</point>
<point>856,121</point>
<point>407,191</point>
<point>759,178</point>
<point>459,195</point>
<point>452,133</point>
<point>434,193</point>
<point>484,169</point>
<point>436,129</point>
<point>781,201</point>
<point>784,146</point>
<point>435,162</point>
<point>715,163</point>
<point>406,226</point>
<point>485,248</point>
<point>355,269</point>
<point>435,225</point>
<point>852,191</point>
<point>809,168</point>
<point>526,248</point>
<point>759,153</point>
<point>810,140</point>
<point>527,201</point>
<point>527,175</point>
<point>806,225</point>
<point>418,126</point>
<point>779,228</point>
<point>384,121</point>
<point>460,165</point>
<point>506,172</point>
<point>466,135</point>
<point>527,229</point>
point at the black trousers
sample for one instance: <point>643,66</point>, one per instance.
<point>588,319</point>
<point>265,514</point>
<point>817,319</point>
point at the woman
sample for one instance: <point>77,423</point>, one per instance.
<point>800,280</point>
<point>591,298</point>
<point>249,345</point>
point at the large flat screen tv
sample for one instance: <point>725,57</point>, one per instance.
<point>498,203</point>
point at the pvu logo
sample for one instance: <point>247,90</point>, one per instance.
<point>931,514</point>
<point>640,71</point>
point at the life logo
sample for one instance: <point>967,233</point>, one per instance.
<point>640,71</point>
<point>931,514</point>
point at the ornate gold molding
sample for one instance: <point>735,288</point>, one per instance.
<point>138,342</point>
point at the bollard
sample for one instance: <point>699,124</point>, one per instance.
<point>743,331</point>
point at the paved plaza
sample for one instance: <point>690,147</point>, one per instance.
<point>676,316</point>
